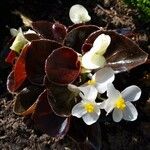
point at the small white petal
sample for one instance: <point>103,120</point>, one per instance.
<point>131,93</point>
<point>89,93</point>
<point>78,110</point>
<point>108,105</point>
<point>73,88</point>
<point>101,43</point>
<point>19,42</point>
<point>101,87</point>
<point>112,93</point>
<point>79,14</point>
<point>13,32</point>
<point>130,113</point>
<point>97,109</point>
<point>92,60</point>
<point>103,77</point>
<point>102,105</point>
<point>30,32</point>
<point>90,118</point>
<point>117,115</point>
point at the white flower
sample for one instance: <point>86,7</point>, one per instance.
<point>79,14</point>
<point>121,104</point>
<point>19,41</point>
<point>14,32</point>
<point>88,109</point>
<point>94,58</point>
<point>100,80</point>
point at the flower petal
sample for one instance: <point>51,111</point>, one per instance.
<point>97,109</point>
<point>13,32</point>
<point>117,115</point>
<point>89,93</point>
<point>92,60</point>
<point>131,93</point>
<point>130,113</point>
<point>112,93</point>
<point>101,43</point>
<point>73,88</point>
<point>108,105</point>
<point>19,42</point>
<point>103,77</point>
<point>78,14</point>
<point>90,118</point>
<point>78,110</point>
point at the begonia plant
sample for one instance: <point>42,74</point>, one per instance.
<point>50,86</point>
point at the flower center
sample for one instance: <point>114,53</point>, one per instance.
<point>91,82</point>
<point>120,103</point>
<point>89,107</point>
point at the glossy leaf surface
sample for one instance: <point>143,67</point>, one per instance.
<point>62,66</point>
<point>122,53</point>
<point>37,53</point>
<point>76,37</point>
<point>52,31</point>
<point>60,98</point>
<point>26,98</point>
<point>46,120</point>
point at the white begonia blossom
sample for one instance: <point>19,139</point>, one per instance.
<point>14,32</point>
<point>19,41</point>
<point>87,109</point>
<point>120,103</point>
<point>79,14</point>
<point>100,80</point>
<point>94,58</point>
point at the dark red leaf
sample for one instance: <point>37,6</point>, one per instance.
<point>59,32</point>
<point>62,66</point>
<point>26,98</point>
<point>37,53</point>
<point>74,26</point>
<point>52,31</point>
<point>122,53</point>
<point>31,36</point>
<point>46,120</point>
<point>76,37</point>
<point>60,99</point>
<point>44,28</point>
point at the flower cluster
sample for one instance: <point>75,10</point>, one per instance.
<point>99,83</point>
<point>60,72</point>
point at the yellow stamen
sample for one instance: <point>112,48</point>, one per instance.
<point>91,82</point>
<point>89,107</point>
<point>120,103</point>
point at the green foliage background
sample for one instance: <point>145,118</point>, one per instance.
<point>143,6</point>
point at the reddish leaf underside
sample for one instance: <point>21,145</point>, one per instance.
<point>18,76</point>
<point>11,57</point>
<point>62,66</point>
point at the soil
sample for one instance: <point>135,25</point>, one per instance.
<point>110,14</point>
